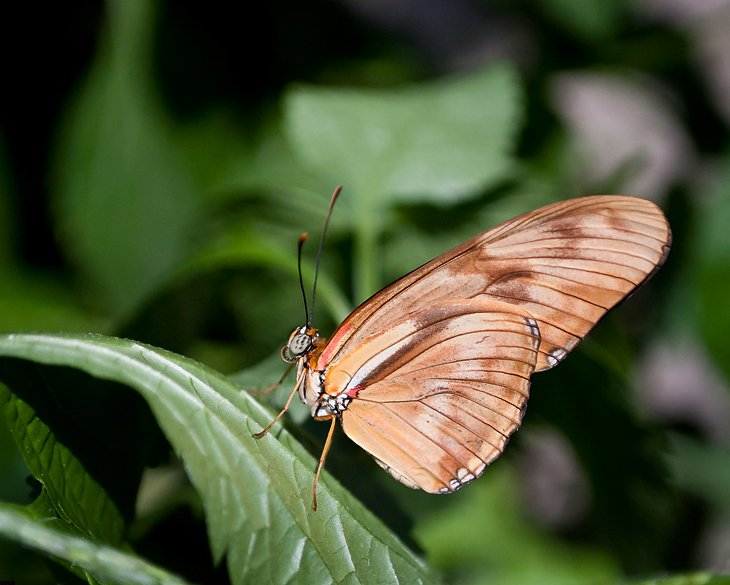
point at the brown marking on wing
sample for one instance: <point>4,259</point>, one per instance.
<point>441,359</point>
<point>566,264</point>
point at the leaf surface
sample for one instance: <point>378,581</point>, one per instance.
<point>257,494</point>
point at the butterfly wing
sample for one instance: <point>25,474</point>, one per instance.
<point>438,363</point>
<point>565,265</point>
<point>437,396</point>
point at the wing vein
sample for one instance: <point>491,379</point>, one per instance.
<point>465,360</point>
<point>556,235</point>
<point>450,392</point>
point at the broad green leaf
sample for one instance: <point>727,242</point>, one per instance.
<point>102,563</point>
<point>76,497</point>
<point>257,494</point>
<point>126,203</point>
<point>441,142</point>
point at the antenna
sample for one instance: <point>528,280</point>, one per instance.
<point>300,245</point>
<point>333,199</point>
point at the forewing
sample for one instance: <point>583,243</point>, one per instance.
<point>565,264</point>
<point>437,397</point>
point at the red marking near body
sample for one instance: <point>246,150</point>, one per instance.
<point>326,354</point>
<point>352,392</point>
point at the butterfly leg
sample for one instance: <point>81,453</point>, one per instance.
<point>322,457</point>
<point>275,385</point>
<point>300,379</point>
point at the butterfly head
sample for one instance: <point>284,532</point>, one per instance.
<point>301,342</point>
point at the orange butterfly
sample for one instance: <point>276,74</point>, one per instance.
<point>431,375</point>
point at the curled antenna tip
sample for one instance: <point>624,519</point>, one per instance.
<point>335,195</point>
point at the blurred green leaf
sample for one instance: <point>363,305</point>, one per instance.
<point>623,456</point>
<point>413,245</point>
<point>239,245</point>
<point>102,563</point>
<point>272,165</point>
<point>31,302</point>
<point>591,21</point>
<point>256,493</point>
<point>484,538</point>
<point>125,201</point>
<point>216,151</point>
<point>442,142</point>
<point>708,269</point>
<point>703,470</point>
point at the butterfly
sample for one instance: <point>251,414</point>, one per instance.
<point>431,375</point>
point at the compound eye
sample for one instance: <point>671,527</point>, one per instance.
<point>300,344</point>
<point>287,356</point>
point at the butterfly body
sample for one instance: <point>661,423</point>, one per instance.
<point>431,375</point>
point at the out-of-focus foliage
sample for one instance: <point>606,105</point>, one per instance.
<point>158,161</point>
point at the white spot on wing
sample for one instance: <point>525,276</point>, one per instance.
<point>463,475</point>
<point>532,324</point>
<point>556,355</point>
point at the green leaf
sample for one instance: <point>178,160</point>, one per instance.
<point>32,302</point>
<point>703,470</point>
<point>240,245</point>
<point>592,21</point>
<point>440,142</point>
<point>707,270</point>
<point>125,201</point>
<point>502,547</point>
<point>73,494</point>
<point>411,247</point>
<point>257,494</point>
<point>260,376</point>
<point>102,562</point>
<point>620,454</point>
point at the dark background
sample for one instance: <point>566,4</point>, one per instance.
<point>134,136</point>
